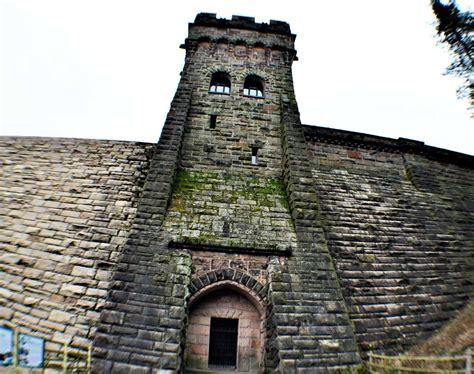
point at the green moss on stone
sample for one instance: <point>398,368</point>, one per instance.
<point>203,238</point>
<point>261,190</point>
<point>201,199</point>
<point>192,180</point>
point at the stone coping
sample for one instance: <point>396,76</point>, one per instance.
<point>400,145</point>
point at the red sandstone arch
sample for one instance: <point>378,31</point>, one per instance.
<point>234,279</point>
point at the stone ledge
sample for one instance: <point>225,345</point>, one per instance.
<point>257,250</point>
<point>55,140</point>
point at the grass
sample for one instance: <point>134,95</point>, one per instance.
<point>453,338</point>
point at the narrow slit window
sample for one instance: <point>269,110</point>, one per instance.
<point>223,342</point>
<point>254,156</point>
<point>213,121</point>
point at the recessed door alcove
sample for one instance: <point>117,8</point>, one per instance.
<point>224,332</point>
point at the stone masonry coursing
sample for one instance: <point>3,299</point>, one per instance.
<point>220,197</point>
<point>67,206</point>
<point>399,227</point>
<point>236,195</point>
<point>334,244</point>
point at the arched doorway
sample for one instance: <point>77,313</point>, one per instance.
<point>225,330</point>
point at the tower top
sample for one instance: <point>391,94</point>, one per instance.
<point>207,27</point>
<point>242,22</point>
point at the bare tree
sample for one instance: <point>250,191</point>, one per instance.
<point>456,29</point>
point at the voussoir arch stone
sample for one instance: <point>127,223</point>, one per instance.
<point>235,279</point>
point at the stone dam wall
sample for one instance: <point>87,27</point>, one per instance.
<point>396,220</point>
<point>398,224</point>
<point>66,209</point>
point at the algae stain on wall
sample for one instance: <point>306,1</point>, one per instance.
<point>218,208</point>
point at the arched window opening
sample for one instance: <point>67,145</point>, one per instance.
<point>253,86</point>
<point>204,42</point>
<point>220,83</point>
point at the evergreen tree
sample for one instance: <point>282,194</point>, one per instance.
<point>456,29</point>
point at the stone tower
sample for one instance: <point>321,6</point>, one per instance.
<point>225,267</point>
<point>243,241</point>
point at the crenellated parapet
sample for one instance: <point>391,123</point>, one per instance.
<point>243,38</point>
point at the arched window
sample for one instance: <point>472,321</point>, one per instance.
<point>253,86</point>
<point>220,83</point>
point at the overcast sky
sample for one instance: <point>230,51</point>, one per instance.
<point>109,69</point>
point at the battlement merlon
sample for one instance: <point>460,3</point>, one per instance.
<point>242,23</point>
<point>241,29</point>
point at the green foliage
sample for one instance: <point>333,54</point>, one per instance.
<point>456,29</point>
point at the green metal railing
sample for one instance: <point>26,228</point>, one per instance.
<point>383,364</point>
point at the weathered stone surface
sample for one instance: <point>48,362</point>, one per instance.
<point>343,242</point>
<point>399,228</point>
<point>55,195</point>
